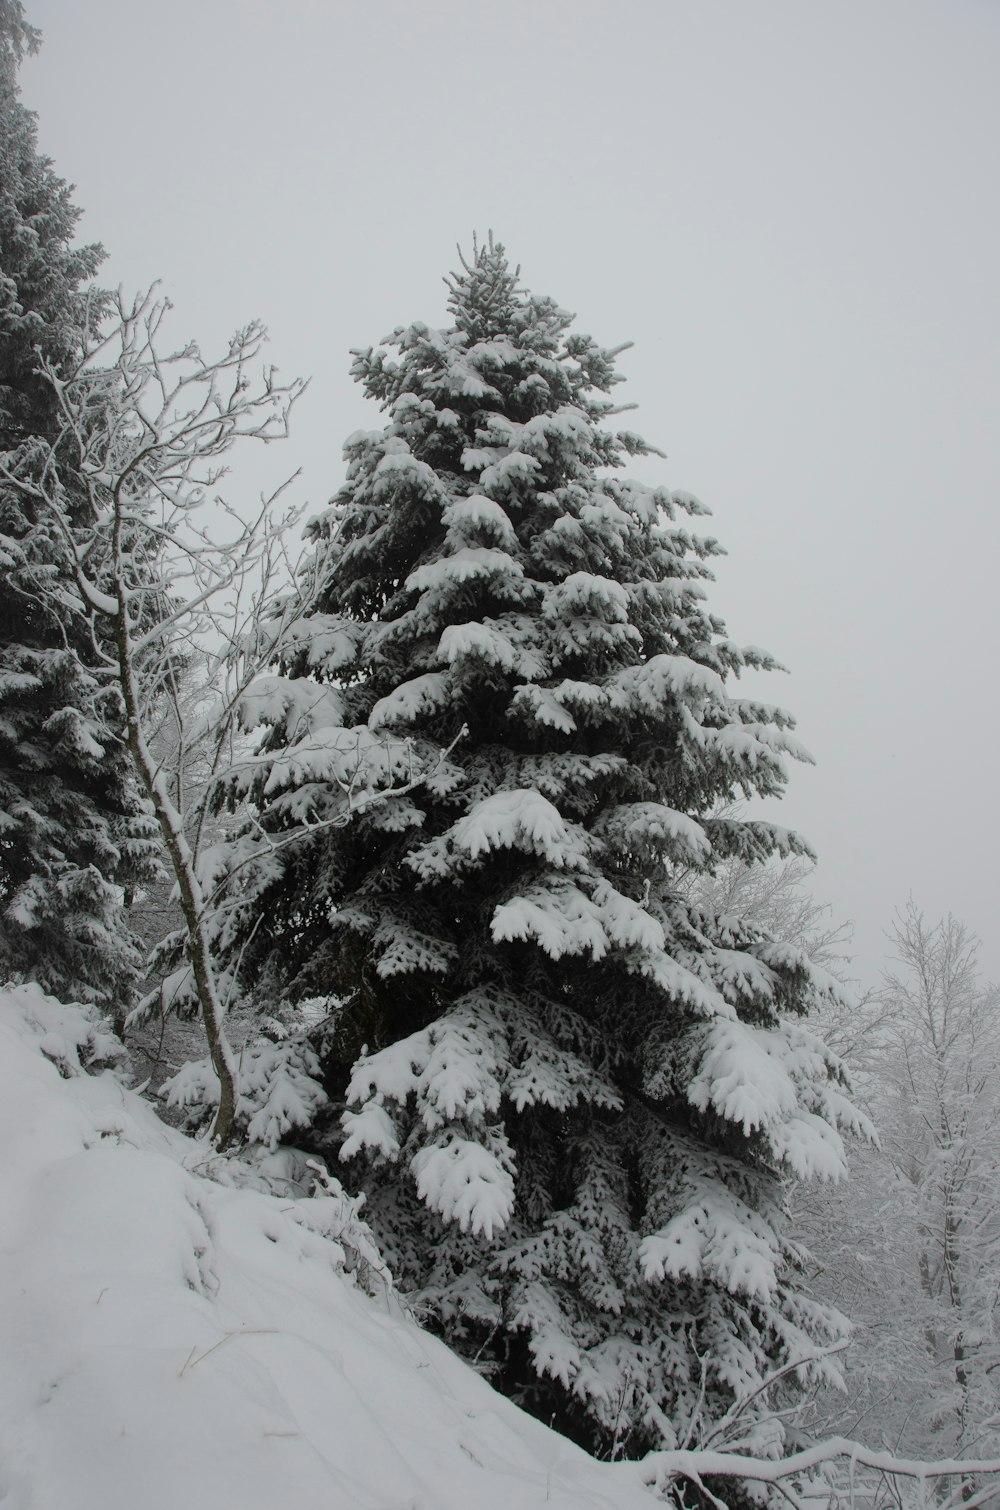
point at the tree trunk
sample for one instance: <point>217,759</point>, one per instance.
<point>181,859</point>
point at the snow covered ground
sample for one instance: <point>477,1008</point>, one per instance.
<point>174,1342</point>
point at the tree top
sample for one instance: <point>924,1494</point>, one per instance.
<point>484,295</point>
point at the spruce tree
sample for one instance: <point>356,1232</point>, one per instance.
<point>574,1098</point>
<point>71,828</point>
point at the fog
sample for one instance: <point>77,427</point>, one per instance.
<point>790,208</point>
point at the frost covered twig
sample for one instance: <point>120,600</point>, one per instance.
<point>346,1226</point>
<point>146,570</point>
<point>739,1406</point>
<point>273,844</point>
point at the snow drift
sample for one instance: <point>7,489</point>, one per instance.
<point>174,1336</point>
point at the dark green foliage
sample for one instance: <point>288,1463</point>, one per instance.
<point>71,828</point>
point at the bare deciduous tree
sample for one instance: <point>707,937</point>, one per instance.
<point>168,574</point>
<point>911,1248</point>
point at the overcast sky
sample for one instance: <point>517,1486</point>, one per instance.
<point>790,206</point>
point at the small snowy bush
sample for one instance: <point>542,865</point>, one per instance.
<point>76,1038</point>
<point>278,1089</point>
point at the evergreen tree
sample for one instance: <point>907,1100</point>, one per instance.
<point>71,829</point>
<point>573,1096</point>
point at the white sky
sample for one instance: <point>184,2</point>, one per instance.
<point>790,207</point>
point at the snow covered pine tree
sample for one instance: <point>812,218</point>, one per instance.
<point>573,1098</point>
<point>72,834</point>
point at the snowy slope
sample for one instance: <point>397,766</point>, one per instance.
<point>170,1341</point>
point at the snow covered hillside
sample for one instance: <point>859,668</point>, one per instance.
<point>169,1340</point>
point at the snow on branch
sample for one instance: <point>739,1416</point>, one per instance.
<point>177,584</point>
<point>800,1480</point>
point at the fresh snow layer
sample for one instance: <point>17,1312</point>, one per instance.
<point>172,1340</point>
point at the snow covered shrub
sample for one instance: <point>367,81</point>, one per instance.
<point>336,1215</point>
<point>573,1096</point>
<point>75,1038</point>
<point>277,1089</point>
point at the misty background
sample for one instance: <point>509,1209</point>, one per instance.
<point>790,208</point>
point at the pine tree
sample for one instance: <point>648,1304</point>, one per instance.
<point>71,830</point>
<point>574,1097</point>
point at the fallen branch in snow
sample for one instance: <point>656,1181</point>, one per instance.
<point>660,1470</point>
<point>192,1362</point>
